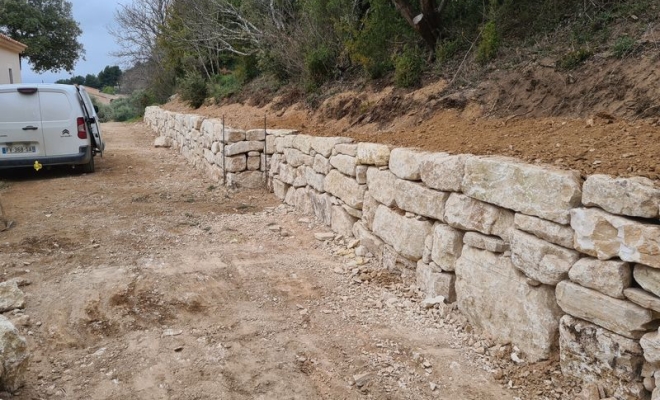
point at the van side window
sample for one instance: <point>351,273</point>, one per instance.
<point>11,76</point>
<point>55,106</point>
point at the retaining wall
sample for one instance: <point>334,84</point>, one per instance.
<point>533,255</point>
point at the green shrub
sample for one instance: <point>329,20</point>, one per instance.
<point>223,86</point>
<point>574,59</point>
<point>108,90</point>
<point>447,49</point>
<point>489,44</point>
<point>246,69</point>
<point>623,46</point>
<point>408,68</point>
<point>192,89</point>
<point>319,65</point>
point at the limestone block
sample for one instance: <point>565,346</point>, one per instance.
<point>607,277</point>
<point>650,342</point>
<point>324,145</point>
<point>361,174</point>
<point>302,143</point>
<point>353,212</point>
<point>274,164</point>
<point>496,298</point>
<point>382,185</point>
<point>255,135</point>
<point>209,156</point>
<point>296,158</point>
<point>242,147</point>
<point>406,235</point>
<point>545,192</point>
<point>290,197</point>
<point>314,180</point>
<point>643,298</point>
<point>216,147</point>
<point>236,163</point>
<point>392,260</point>
<point>342,222</point>
<point>468,214</point>
<point>442,171</point>
<point>416,198</point>
<point>229,135</point>
<point>447,246</point>
<point>11,297</point>
<point>280,188</point>
<point>549,231</point>
<point>321,165</point>
<point>404,163</point>
<point>283,142</point>
<point>247,179</point>
<point>373,154</point>
<point>321,206</point>
<point>619,316</point>
<point>605,236</point>
<point>270,144</point>
<point>348,149</point>
<point>14,356</point>
<point>344,187</point>
<point>369,207</point>
<point>636,197</point>
<point>648,278</point>
<point>540,260</point>
<point>344,164</point>
<point>434,284</point>
<point>302,201</point>
<point>254,163</point>
<point>292,176</point>
<point>485,242</point>
<point>428,248</point>
<point>593,354</point>
<point>367,239</point>
<point>162,141</point>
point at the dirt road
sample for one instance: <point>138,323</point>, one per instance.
<point>148,281</point>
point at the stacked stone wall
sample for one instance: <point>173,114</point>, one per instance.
<point>532,255</point>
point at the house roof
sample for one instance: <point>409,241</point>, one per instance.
<point>10,44</point>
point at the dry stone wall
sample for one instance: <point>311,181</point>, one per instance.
<point>531,254</point>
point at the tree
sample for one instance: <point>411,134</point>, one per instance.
<point>48,29</point>
<point>109,76</point>
<point>426,22</point>
<point>92,81</point>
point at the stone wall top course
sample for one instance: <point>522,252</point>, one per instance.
<point>637,197</point>
<point>373,154</point>
<point>404,163</point>
<point>325,145</point>
<point>442,171</point>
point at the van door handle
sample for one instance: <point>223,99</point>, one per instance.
<point>30,128</point>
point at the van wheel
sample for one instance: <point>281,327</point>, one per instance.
<point>89,167</point>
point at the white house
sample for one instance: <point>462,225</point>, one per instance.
<point>10,60</point>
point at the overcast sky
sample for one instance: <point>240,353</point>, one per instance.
<point>94,17</point>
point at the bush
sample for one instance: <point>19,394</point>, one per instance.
<point>446,50</point>
<point>125,109</point>
<point>246,69</point>
<point>319,65</point>
<point>408,68</point>
<point>108,90</point>
<point>623,46</point>
<point>573,59</point>
<point>192,89</point>
<point>223,86</point>
<point>489,44</point>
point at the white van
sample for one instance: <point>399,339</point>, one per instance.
<point>48,124</point>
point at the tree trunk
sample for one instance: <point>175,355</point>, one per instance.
<point>427,24</point>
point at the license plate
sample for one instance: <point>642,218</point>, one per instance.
<point>19,149</point>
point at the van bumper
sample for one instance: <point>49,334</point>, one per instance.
<point>83,157</point>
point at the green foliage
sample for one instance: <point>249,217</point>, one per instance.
<point>447,49</point>
<point>109,76</point>
<point>408,68</point>
<point>223,86</point>
<point>489,43</point>
<point>48,29</point>
<point>246,68</point>
<point>192,89</point>
<point>574,59</point>
<point>319,65</point>
<point>125,109</point>
<point>92,81</point>
<point>108,90</point>
<point>623,46</point>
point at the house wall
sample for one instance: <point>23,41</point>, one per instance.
<point>9,60</point>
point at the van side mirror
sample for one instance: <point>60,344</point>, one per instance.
<point>96,108</point>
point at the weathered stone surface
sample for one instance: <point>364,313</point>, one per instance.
<point>292,176</point>
<point>605,236</point>
<point>404,163</point>
<point>643,298</point>
<point>530,189</point>
<point>242,147</point>
<point>247,179</point>
<point>529,316</point>
<point>280,188</point>
<point>373,154</point>
<point>302,143</point>
<point>650,342</point>
<point>637,196</point>
<point>540,260</point>
<point>321,206</point>
<point>321,165</point>
<point>14,356</point>
<point>442,171</point>
<point>236,163</point>
<point>648,278</point>
<point>314,180</point>
<point>382,185</point>
<point>302,201</point>
<point>255,135</point>
<point>485,242</point>
<point>324,145</point>
<point>549,231</point>
<point>619,316</point>
<point>348,149</point>
<point>344,164</point>
<point>229,135</point>
<point>11,297</point>
<point>209,156</point>
<point>216,147</point>
<point>367,239</point>
<point>353,212</point>
<point>434,284</point>
<point>162,141</point>
<point>290,197</point>
<point>469,214</point>
<point>342,222</point>
<point>361,174</point>
<point>418,199</point>
<point>392,260</point>
<point>347,189</point>
<point>297,158</point>
<point>447,246</point>
<point>369,207</point>
<point>406,235</point>
<point>594,354</point>
<point>283,142</point>
<point>607,277</point>
<point>253,163</point>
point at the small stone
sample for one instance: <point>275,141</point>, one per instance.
<point>433,386</point>
<point>171,332</point>
<point>323,236</point>
<point>362,379</point>
<point>430,303</point>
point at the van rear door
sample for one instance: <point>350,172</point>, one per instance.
<point>92,119</point>
<point>59,120</point>
<point>21,131</point>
